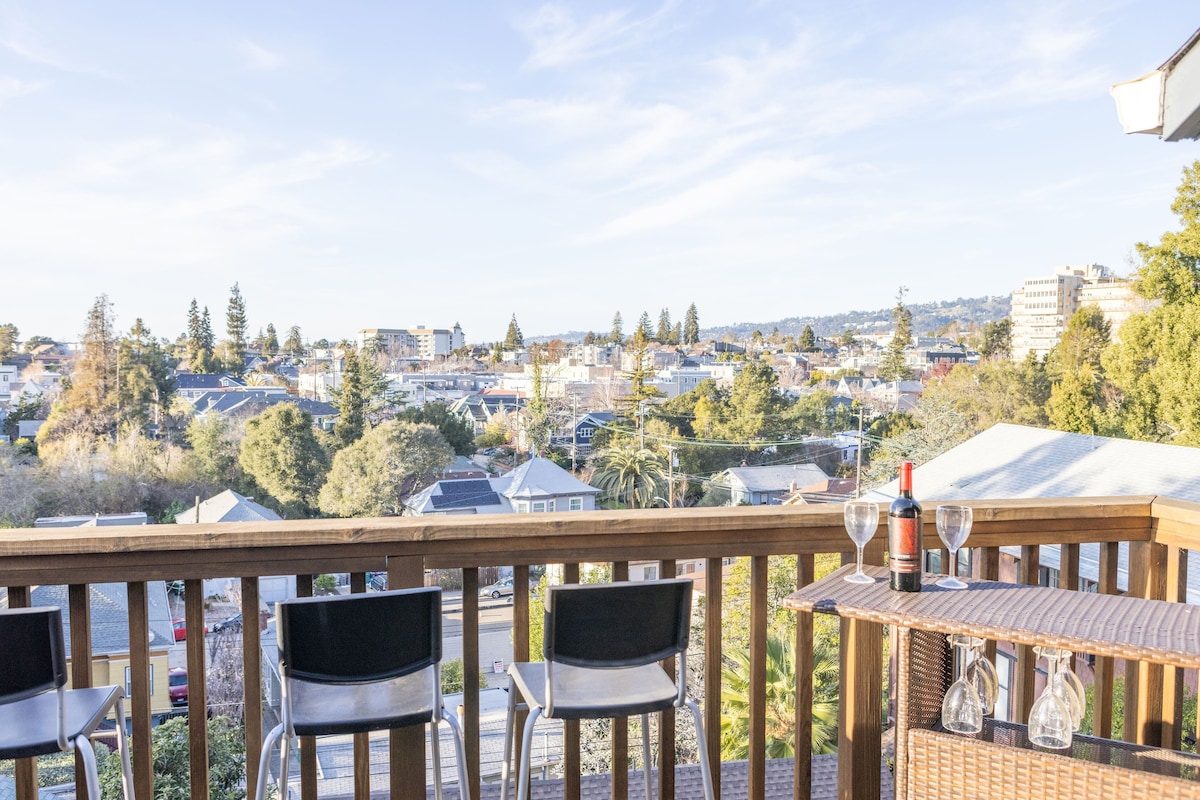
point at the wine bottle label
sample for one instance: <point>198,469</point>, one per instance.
<point>906,551</point>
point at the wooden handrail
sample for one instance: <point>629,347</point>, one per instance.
<point>405,546</point>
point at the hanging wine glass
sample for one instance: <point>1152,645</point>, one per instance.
<point>1069,688</point>
<point>1050,722</point>
<point>962,710</point>
<point>982,675</point>
<point>861,518</point>
<point>953,526</point>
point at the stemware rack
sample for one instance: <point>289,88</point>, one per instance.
<point>1000,762</point>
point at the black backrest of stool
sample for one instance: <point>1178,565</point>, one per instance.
<point>617,624</point>
<point>361,638</point>
<point>32,653</point>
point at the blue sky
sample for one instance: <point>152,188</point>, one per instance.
<point>363,164</point>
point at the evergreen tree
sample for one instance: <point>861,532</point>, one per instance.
<point>371,477</point>
<point>537,413</point>
<point>514,340</point>
<point>294,345</point>
<point>691,326</point>
<point>145,377</point>
<point>663,334</point>
<point>808,340</point>
<point>848,339</point>
<point>10,337</point>
<point>894,365</point>
<point>643,328</point>
<point>676,333</point>
<point>997,339</point>
<point>271,342</point>
<point>198,344</point>
<point>616,336</point>
<point>351,421</point>
<point>235,329</point>
<point>90,402</point>
<point>282,453</point>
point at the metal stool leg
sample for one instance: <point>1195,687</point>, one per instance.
<point>705,767</point>
<point>264,762</point>
<point>526,755</point>
<point>510,723</point>
<point>646,776</point>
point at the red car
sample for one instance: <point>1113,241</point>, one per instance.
<point>180,626</point>
<point>177,686</point>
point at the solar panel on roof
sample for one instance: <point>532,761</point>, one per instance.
<point>456,488</point>
<point>444,502</point>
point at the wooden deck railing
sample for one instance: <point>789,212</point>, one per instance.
<point>1159,531</point>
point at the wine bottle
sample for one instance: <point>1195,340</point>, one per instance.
<point>904,536</point>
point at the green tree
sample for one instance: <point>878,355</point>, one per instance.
<point>894,365</point>
<point>282,453</point>
<point>514,340</point>
<point>1076,399</point>
<point>808,340</point>
<point>235,328</point>
<point>691,326</point>
<point>216,442</point>
<point>391,461</point>
<point>199,341</point>
<point>755,406</point>
<point>89,404</point>
<point>848,339</point>
<point>631,475</point>
<point>995,390</point>
<point>457,432</point>
<point>997,339</point>
<point>939,427</point>
<point>1155,368</point>
<point>616,336</point>
<point>172,767</point>
<point>10,338</point>
<point>780,705</point>
<point>271,342</point>
<point>293,345</point>
<point>352,400</point>
<point>537,411</point>
<point>145,380</point>
<point>663,334</point>
<point>643,327</point>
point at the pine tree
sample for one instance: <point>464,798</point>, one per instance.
<point>351,421</point>
<point>235,329</point>
<point>691,326</point>
<point>676,333</point>
<point>894,366</point>
<point>643,328</point>
<point>663,334</point>
<point>271,343</point>
<point>514,340</point>
<point>808,340</point>
<point>10,337</point>
<point>91,403</point>
<point>616,336</point>
<point>294,345</point>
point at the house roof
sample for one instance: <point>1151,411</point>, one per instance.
<point>190,381</point>
<point>228,506</point>
<point>459,495</point>
<point>778,479</point>
<point>541,477</point>
<point>254,401</point>
<point>1017,461</point>
<point>110,615</point>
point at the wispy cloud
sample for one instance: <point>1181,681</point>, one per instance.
<point>12,88</point>
<point>558,38</point>
<point>256,57</point>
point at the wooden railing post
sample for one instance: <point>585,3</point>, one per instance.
<point>470,658</point>
<point>757,756</point>
<point>1173,686</point>
<point>362,741</point>
<point>25,769</point>
<point>1102,692</point>
<point>252,680</point>
<point>859,729</point>
<point>714,582</point>
<point>81,660</point>
<point>406,754</point>
<point>1144,680</point>
<point>1023,694</point>
<point>802,745</point>
<point>138,705</point>
<point>571,756</point>
<point>666,719</point>
<point>197,661</point>
<point>619,738</point>
<point>306,745</point>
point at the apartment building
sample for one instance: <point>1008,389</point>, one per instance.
<point>421,342</point>
<point>1042,306</point>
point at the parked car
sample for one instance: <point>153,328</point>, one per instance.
<point>177,686</point>
<point>498,589</point>
<point>233,623</point>
<point>180,626</point>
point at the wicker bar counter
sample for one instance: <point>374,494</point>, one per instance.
<point>1000,762</point>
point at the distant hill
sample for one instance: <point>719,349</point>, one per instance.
<point>927,319</point>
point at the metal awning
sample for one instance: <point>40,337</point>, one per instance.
<point>1166,101</point>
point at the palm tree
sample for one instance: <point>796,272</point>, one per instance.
<point>780,705</point>
<point>631,474</point>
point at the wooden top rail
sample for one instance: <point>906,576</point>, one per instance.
<point>66,555</point>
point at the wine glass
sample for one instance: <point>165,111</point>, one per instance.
<point>1067,686</point>
<point>982,675</point>
<point>962,709</point>
<point>862,517</point>
<point>1050,719</point>
<point>953,526</point>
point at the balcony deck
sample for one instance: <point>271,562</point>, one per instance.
<point>1156,532</point>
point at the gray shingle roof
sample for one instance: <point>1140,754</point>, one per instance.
<point>228,506</point>
<point>776,479</point>
<point>541,477</point>
<point>110,615</point>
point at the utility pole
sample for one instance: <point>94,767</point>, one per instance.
<point>670,475</point>
<point>574,428</point>
<point>642,422</point>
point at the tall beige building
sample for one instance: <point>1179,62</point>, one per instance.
<point>1042,306</point>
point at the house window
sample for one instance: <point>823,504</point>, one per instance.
<point>575,504</point>
<point>522,506</point>
<point>129,681</point>
<point>543,505</point>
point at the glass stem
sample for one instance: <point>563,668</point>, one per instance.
<point>860,552</point>
<point>953,565</point>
